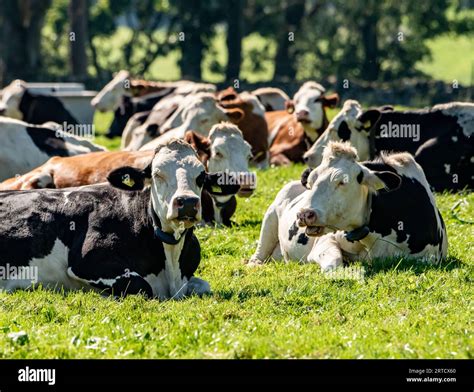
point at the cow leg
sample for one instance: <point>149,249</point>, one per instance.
<point>198,287</point>
<point>268,240</point>
<point>326,252</point>
<point>111,279</point>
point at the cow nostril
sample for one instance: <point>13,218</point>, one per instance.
<point>180,202</point>
<point>311,215</point>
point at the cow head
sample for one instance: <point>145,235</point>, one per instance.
<point>11,98</point>
<point>199,112</point>
<point>338,189</point>
<point>110,97</point>
<point>230,154</point>
<point>350,124</point>
<point>176,178</point>
<point>309,103</point>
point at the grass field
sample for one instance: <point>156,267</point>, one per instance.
<point>398,309</point>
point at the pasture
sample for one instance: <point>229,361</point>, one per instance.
<point>397,308</point>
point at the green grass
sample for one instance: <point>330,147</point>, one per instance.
<point>441,66</point>
<point>400,309</point>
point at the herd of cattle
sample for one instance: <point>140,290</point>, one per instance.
<point>121,222</point>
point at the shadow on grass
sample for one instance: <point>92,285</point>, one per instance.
<point>416,266</point>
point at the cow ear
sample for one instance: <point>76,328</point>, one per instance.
<point>128,178</point>
<point>235,115</point>
<point>369,118</point>
<point>378,181</point>
<point>214,183</point>
<point>330,100</point>
<point>199,142</point>
<point>304,177</point>
<point>290,106</point>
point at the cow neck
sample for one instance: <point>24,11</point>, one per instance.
<point>167,238</point>
<point>309,142</point>
<point>362,231</point>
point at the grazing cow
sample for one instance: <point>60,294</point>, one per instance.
<point>110,97</point>
<point>130,106</point>
<point>440,138</point>
<point>19,103</point>
<point>120,240</point>
<point>292,132</point>
<point>24,146</point>
<point>272,98</point>
<point>197,112</point>
<point>224,151</point>
<point>346,210</point>
<point>252,124</point>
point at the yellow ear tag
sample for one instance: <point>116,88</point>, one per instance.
<point>216,188</point>
<point>128,181</point>
<point>367,124</point>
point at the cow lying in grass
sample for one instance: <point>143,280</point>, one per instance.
<point>123,239</point>
<point>224,151</point>
<point>440,139</point>
<point>346,210</point>
<point>24,147</point>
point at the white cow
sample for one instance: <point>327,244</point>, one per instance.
<point>349,210</point>
<point>25,146</point>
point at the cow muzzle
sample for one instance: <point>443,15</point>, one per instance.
<point>187,208</point>
<point>303,116</point>
<point>309,218</point>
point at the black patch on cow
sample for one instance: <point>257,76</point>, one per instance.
<point>360,177</point>
<point>344,132</point>
<point>440,142</point>
<point>112,234</point>
<point>38,109</point>
<point>293,231</point>
<point>153,130</point>
<point>302,239</point>
<point>304,176</point>
<point>226,210</point>
<point>48,141</point>
<point>407,210</point>
<point>131,106</point>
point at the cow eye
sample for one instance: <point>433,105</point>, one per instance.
<point>218,154</point>
<point>341,183</point>
<point>200,179</point>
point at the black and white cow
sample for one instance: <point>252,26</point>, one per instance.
<point>130,106</point>
<point>127,239</point>
<point>347,210</point>
<point>440,139</point>
<point>19,103</point>
<point>24,147</point>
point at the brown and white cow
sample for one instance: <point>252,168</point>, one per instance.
<point>110,97</point>
<point>292,132</point>
<point>253,124</point>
